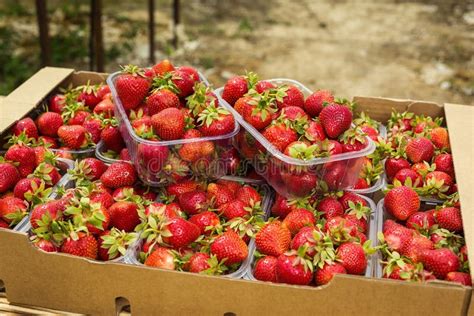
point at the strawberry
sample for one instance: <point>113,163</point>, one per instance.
<point>401,202</point>
<point>161,258</point>
<point>444,163</point>
<point>12,209</point>
<point>459,277</point>
<point>163,67</point>
<point>47,142</point>
<point>307,237</point>
<point>119,174</point>
<point>313,104</point>
<point>45,245</point>
<point>206,221</point>
<point>105,107</point>
<point>169,124</point>
<point>192,72</point>
<point>415,246</point>
<point>198,262</point>
<point>326,273</point>
<point>88,95</point>
<point>24,156</point>
<point>419,149</point>
<point>301,150</point>
<point>124,215</point>
<point>234,89</point>
<point>132,87</point>
<point>292,269</point>
<point>259,116</point>
<point>233,209</point>
<point>352,257</point>
<point>103,91</point>
<point>299,184</point>
<point>361,184</point>
<point>393,165</point>
<point>265,269</point>
<point>449,218</point>
<point>112,138</point>
<point>9,176</point>
<point>396,236</point>
<point>215,121</point>
<point>181,233</point>
<point>94,127</point>
<point>280,136</point>
<point>161,99</point>
<point>273,239</point>
<point>82,246</point>
<point>403,175</point>
<point>334,174</point>
<point>281,208</point>
<point>26,185</point>
<point>57,103</point>
<point>51,210</point>
<point>233,186</point>
<point>104,198</point>
<point>181,187</point>
<point>184,82</point>
<point>440,138</point>
<point>298,219</point>
<point>26,125</point>
<point>351,197</point>
<point>315,132</point>
<point>263,85</point>
<point>219,194</point>
<point>79,118</point>
<point>336,119</point>
<point>124,155</point>
<point>340,229</point>
<point>73,136</point>
<point>293,97</point>
<point>293,113</point>
<point>440,261</point>
<point>152,157</point>
<point>193,202</point>
<point>330,207</point>
<point>229,246</point>
<point>421,221</point>
<point>93,168</point>
<point>248,195</point>
<point>439,176</point>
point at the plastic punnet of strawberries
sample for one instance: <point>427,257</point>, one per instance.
<point>423,241</point>
<point>313,239</point>
<point>298,130</point>
<point>201,227</point>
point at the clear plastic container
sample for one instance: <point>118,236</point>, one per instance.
<point>282,171</point>
<point>371,234</point>
<point>99,153</point>
<point>149,166</point>
<point>267,200</point>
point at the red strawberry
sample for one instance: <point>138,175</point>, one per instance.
<point>293,113</point>
<point>330,207</point>
<point>231,161</point>
<point>26,125</point>
<point>334,174</point>
<point>89,96</point>
<point>219,193</point>
<point>326,273</point>
<point>169,124</point>
<point>105,107</point>
<point>52,210</point>
<point>234,209</point>
<point>248,195</point>
<point>112,138</point>
<point>169,211</point>
<point>24,156</point>
<point>397,236</point>
<point>421,221</point>
<point>160,100</point>
<point>404,174</point>
<point>361,184</point>
<point>263,85</point>
<point>420,149</point>
<point>415,246</point>
<point>393,165</point>
<point>161,258</point>
<point>401,202</point>
<point>47,141</point>
<point>181,187</point>
<point>449,218</point>
<point>73,136</point>
<point>124,215</point>
<point>234,89</point>
<point>199,262</point>
<point>163,67</point>
<point>192,72</point>
<point>352,257</point>
<point>132,87</point>
<point>371,132</point>
<point>83,246</point>
<point>440,261</point>
<point>298,219</point>
<point>152,157</point>
<point>124,155</point>
<point>119,174</point>
<point>444,163</point>
<point>103,91</point>
<point>9,176</point>
<point>291,269</point>
<point>340,229</point>
<point>184,82</point>
<point>315,132</point>
<point>26,185</point>
<point>93,168</point>
<point>229,246</point>
<point>265,269</point>
<point>307,237</point>
<point>182,233</point>
<point>440,138</point>
<point>79,118</point>
<point>314,103</point>
<point>94,127</point>
<point>104,198</point>
<point>280,136</point>
<point>273,239</point>
<point>439,176</point>
<point>459,277</point>
<point>258,117</point>
<point>193,202</point>
<point>293,97</point>
<point>299,184</point>
<point>351,197</point>
<point>336,119</point>
<point>57,103</point>
<point>215,121</point>
<point>12,209</point>
<point>205,221</point>
<point>45,245</point>
<point>280,207</point>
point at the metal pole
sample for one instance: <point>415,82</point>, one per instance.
<point>176,18</point>
<point>42,17</point>
<point>151,29</point>
<point>96,39</point>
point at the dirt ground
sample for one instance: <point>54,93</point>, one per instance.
<point>402,49</point>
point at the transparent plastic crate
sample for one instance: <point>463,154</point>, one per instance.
<point>99,153</point>
<point>267,200</point>
<point>275,163</point>
<point>150,170</point>
<point>371,234</point>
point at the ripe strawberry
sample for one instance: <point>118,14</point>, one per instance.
<point>440,261</point>
<point>219,194</point>
<point>403,174</point>
<point>299,184</point>
<point>334,174</point>
<point>340,229</point>
<point>393,165</point>
<point>45,245</point>
<point>444,163</point>
<point>273,239</point>
<point>361,184</point>
<point>314,103</point>
<point>89,96</point>
<point>293,113</point>
<point>52,210</point>
<point>401,202</point>
<point>263,85</point>
<point>47,142</point>
<point>415,246</point>
<point>12,209</point>
<point>351,197</point>
<point>198,262</point>
<point>181,187</point>
<point>161,258</point>
<point>57,103</point>
<point>73,136</point>
<point>132,87</point>
<point>449,218</point>
<point>265,269</point>
<point>124,215</point>
<point>352,257</point>
<point>104,198</point>
<point>162,67</point>
<point>206,221</point>
<point>215,121</point>
<point>26,185</point>
<point>293,97</point>
<point>192,72</point>
<point>307,237</point>
<point>119,174</point>
<point>420,149</point>
<point>93,168</point>
<point>182,233</point>
<point>112,138</point>
<point>9,176</point>
<point>396,236</point>
<point>421,221</point>
<point>105,107</point>
<point>280,207</point>
<point>330,207</point>
<point>439,176</point>
<point>229,246</point>
<point>83,246</point>
<point>79,118</point>
<point>152,157</point>
<point>169,124</point>
<point>94,127</point>
<point>26,125</point>
<point>280,136</point>
<point>371,132</point>
<point>233,186</point>
<point>193,202</point>
<point>160,100</point>
<point>234,89</point>
<point>336,119</point>
<point>292,269</point>
<point>326,273</point>
<point>233,209</point>
<point>298,219</point>
<point>124,155</point>
<point>103,91</point>
<point>315,132</point>
<point>248,195</point>
<point>184,82</point>
<point>440,138</point>
<point>24,156</point>
<point>459,277</point>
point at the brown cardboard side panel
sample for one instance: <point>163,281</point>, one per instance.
<point>67,283</point>
<point>460,120</point>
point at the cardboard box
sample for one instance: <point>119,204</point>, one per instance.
<point>62,282</point>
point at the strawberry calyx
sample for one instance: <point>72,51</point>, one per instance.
<point>200,99</point>
<point>303,151</point>
<point>88,88</point>
<point>133,70</point>
<point>39,194</point>
<point>358,210</point>
<point>252,79</point>
<point>42,172</point>
<point>211,114</point>
<point>215,267</point>
<point>20,139</point>
<point>117,241</point>
<point>165,81</point>
<point>364,120</point>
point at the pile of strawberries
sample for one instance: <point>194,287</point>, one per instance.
<point>96,218</point>
<point>423,242</point>
<point>418,155</point>
<point>201,227</point>
<point>313,239</point>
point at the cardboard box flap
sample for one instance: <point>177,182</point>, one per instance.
<point>460,120</point>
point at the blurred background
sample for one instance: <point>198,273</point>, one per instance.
<point>391,48</point>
